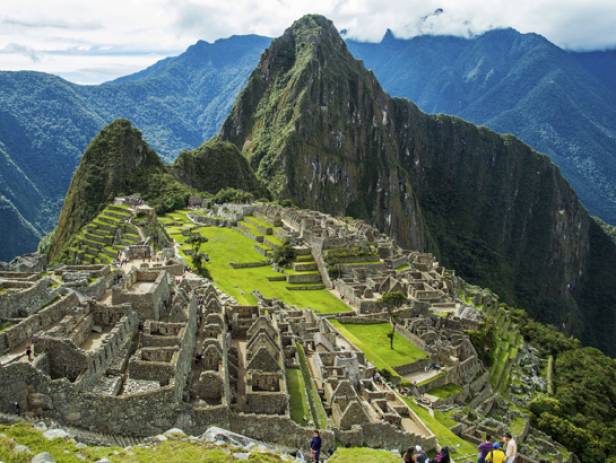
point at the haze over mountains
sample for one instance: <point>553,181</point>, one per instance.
<point>561,103</point>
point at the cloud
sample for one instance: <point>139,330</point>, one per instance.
<point>61,36</point>
<point>17,49</point>
<point>52,24</point>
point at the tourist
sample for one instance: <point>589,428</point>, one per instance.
<point>420,455</point>
<point>17,408</point>
<point>496,455</point>
<point>409,456</point>
<point>511,448</point>
<point>315,446</point>
<point>443,456</point>
<point>484,449</point>
<point>29,352</point>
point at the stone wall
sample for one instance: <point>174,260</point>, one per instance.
<point>304,278</point>
<point>383,435</point>
<point>150,304</point>
<point>23,331</point>
<point>27,300</point>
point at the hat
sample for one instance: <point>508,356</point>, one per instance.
<point>418,448</point>
<point>496,445</point>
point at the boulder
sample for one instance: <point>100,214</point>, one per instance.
<point>174,432</point>
<point>57,433</point>
<point>43,457</point>
<point>21,449</point>
<point>33,262</point>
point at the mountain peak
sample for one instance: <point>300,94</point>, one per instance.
<point>117,162</point>
<point>312,22</point>
<point>313,29</point>
<point>388,37</point>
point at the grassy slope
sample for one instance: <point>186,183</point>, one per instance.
<point>227,245</point>
<point>65,450</point>
<point>444,392</point>
<point>300,408</point>
<point>363,455</point>
<point>438,424</point>
<point>374,342</point>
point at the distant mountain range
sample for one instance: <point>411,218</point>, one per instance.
<point>560,102</point>
<point>46,124</point>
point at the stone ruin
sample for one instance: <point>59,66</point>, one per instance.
<point>141,350</point>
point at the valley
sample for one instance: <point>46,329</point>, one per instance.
<point>331,259</point>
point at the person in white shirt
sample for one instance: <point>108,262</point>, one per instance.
<point>511,448</point>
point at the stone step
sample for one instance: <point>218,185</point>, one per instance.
<point>305,287</point>
<point>302,251</point>
<point>122,217</point>
<point>305,266</point>
<point>108,220</point>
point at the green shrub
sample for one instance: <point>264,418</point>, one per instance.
<point>284,255</point>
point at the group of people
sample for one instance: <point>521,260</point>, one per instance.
<point>418,455</point>
<point>491,451</point>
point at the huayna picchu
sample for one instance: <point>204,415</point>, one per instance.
<point>335,270</point>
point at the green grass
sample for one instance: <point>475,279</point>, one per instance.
<point>363,455</point>
<point>431,379</point>
<point>446,391</point>
<point>464,450</point>
<point>300,408</point>
<point>319,416</point>
<point>274,240</point>
<point>373,340</point>
<point>65,450</point>
<point>227,245</point>
<point>517,425</point>
<point>259,222</point>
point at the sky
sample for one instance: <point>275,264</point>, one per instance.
<point>92,41</point>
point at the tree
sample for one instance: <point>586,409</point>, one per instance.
<point>389,301</point>
<point>284,255</point>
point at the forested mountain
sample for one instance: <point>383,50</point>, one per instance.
<point>47,122</point>
<point>561,103</point>
<point>317,128</point>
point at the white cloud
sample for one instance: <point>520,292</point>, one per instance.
<point>98,40</point>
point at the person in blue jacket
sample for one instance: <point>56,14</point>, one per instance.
<point>315,446</point>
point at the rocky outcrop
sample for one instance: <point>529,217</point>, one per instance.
<point>317,128</point>
<point>215,165</point>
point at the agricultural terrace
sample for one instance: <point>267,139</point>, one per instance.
<point>373,340</point>
<point>228,245</point>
